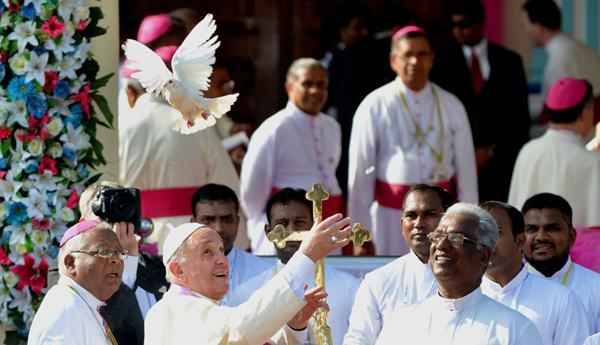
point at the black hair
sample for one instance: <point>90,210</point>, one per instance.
<point>445,197</point>
<point>516,217</point>
<point>214,192</point>
<point>551,201</point>
<point>543,12</point>
<point>473,10</point>
<point>572,114</point>
<point>347,13</point>
<point>285,196</point>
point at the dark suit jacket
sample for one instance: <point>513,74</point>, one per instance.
<point>123,315</point>
<point>498,116</point>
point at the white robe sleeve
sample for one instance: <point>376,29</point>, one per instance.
<point>464,155</point>
<point>516,194</point>
<point>362,164</point>
<point>365,319</point>
<point>130,265</point>
<point>573,326</point>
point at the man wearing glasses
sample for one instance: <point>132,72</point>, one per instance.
<point>406,280</point>
<point>458,313</point>
<point>90,266</point>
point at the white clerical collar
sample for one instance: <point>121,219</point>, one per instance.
<point>415,259</point>
<point>421,96</point>
<point>87,296</point>
<point>299,113</point>
<point>459,304</point>
<point>480,49</point>
<point>562,274</point>
<point>565,134</point>
<point>514,284</point>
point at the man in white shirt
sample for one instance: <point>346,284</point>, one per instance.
<point>566,56</point>
<point>290,208</point>
<point>406,280</point>
<point>459,313</point>
<point>297,147</point>
<point>197,267</point>
<point>90,267</point>
<point>406,132</point>
<point>555,310</point>
<point>217,207</point>
<point>549,235</point>
<point>558,162</point>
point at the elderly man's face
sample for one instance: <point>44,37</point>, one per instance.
<point>412,59</point>
<point>221,216</point>
<point>548,235</point>
<point>455,265</point>
<point>203,265</point>
<point>308,90</point>
<point>422,213</point>
<point>296,217</point>
<point>99,275</point>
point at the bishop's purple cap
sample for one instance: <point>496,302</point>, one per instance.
<point>566,93</point>
<point>78,229</point>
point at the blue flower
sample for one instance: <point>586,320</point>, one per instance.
<point>6,233</point>
<point>75,117</point>
<point>31,167</point>
<point>69,155</point>
<point>29,11</point>
<point>83,171</point>
<point>52,252</point>
<point>3,164</point>
<point>17,213</point>
<point>62,89</point>
<point>37,105</point>
<point>2,71</point>
<point>18,89</point>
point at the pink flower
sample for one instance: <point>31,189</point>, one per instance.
<point>41,224</point>
<point>51,81</point>
<point>34,277</point>
<point>2,175</point>
<point>73,200</point>
<point>53,27</point>
<point>4,259</point>
<point>83,96</point>
<point>82,25</point>
<point>5,132</point>
<point>49,164</point>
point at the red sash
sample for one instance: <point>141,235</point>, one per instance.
<point>167,202</point>
<point>331,206</point>
<point>392,195</point>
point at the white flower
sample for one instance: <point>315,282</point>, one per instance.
<point>10,279</point>
<point>81,13</point>
<point>78,83</point>
<point>18,63</point>
<point>67,215</point>
<point>39,238</point>
<point>36,67</point>
<point>66,7</point>
<point>18,243</point>
<point>17,113</point>
<point>37,207</point>
<point>2,211</point>
<point>75,139</point>
<point>67,67</point>
<point>61,107</point>
<point>24,33</point>
<point>55,150</point>
<point>65,45</point>
<point>9,188</point>
<point>83,51</point>
<point>36,147</point>
<point>21,300</point>
<point>45,182</point>
<point>69,174</point>
<point>55,126</point>
<point>5,19</point>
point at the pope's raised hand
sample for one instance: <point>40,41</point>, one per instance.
<point>330,234</point>
<point>315,298</point>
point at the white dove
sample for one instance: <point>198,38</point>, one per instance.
<point>192,68</point>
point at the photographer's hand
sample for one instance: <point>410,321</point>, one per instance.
<point>126,235</point>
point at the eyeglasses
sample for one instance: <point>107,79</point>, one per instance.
<point>456,239</point>
<point>104,253</point>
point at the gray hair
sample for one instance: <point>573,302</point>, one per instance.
<point>488,228</point>
<point>302,64</point>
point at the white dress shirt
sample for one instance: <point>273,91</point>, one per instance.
<point>555,310</point>
<point>383,147</point>
<point>290,149</point>
<point>481,52</point>
<point>559,163</point>
<point>569,58</point>
<point>68,315</point>
<point>384,292</point>
<point>474,320</point>
<point>585,284</point>
<point>243,266</point>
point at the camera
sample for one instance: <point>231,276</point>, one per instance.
<point>115,205</point>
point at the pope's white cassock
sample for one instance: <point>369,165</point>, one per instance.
<point>388,155</point>
<point>341,289</point>
<point>585,284</point>
<point>167,166</point>
<point>385,291</point>
<point>290,149</point>
<point>593,340</point>
<point>474,320</point>
<point>68,315</point>
<point>555,310</point>
<point>559,163</point>
<point>185,317</point>
<point>243,267</point>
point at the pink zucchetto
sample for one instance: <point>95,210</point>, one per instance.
<point>78,229</point>
<point>566,93</point>
<point>153,27</point>
<point>166,53</point>
<point>406,30</point>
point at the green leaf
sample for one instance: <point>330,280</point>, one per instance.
<point>5,148</point>
<point>98,148</point>
<point>102,104</point>
<point>93,179</point>
<point>101,82</point>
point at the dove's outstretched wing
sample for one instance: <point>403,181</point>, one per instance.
<point>152,72</point>
<point>193,60</point>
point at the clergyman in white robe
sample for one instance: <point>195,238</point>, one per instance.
<point>385,157</point>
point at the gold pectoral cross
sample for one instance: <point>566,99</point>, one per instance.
<point>280,235</point>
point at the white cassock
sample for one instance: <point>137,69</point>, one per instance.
<point>569,58</point>
<point>184,317</point>
<point>593,340</point>
<point>290,149</point>
<point>167,166</point>
<point>243,266</point>
<point>386,157</point>
<point>585,284</point>
<point>555,310</point>
<point>68,315</point>
<point>471,320</point>
<point>559,163</point>
<point>341,289</point>
<point>385,291</point>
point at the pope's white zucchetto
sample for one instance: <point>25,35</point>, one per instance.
<point>176,237</point>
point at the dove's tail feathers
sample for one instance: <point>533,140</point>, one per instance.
<point>221,105</point>
<point>183,126</point>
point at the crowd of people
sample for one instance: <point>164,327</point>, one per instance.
<point>437,163</point>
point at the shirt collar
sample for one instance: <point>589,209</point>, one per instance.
<point>179,290</point>
<point>459,304</point>
<point>299,114</point>
<point>87,296</point>
<point>565,134</point>
<point>480,49</point>
<point>557,275</point>
<point>512,285</point>
<point>422,95</point>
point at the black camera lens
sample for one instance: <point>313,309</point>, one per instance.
<point>121,205</point>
